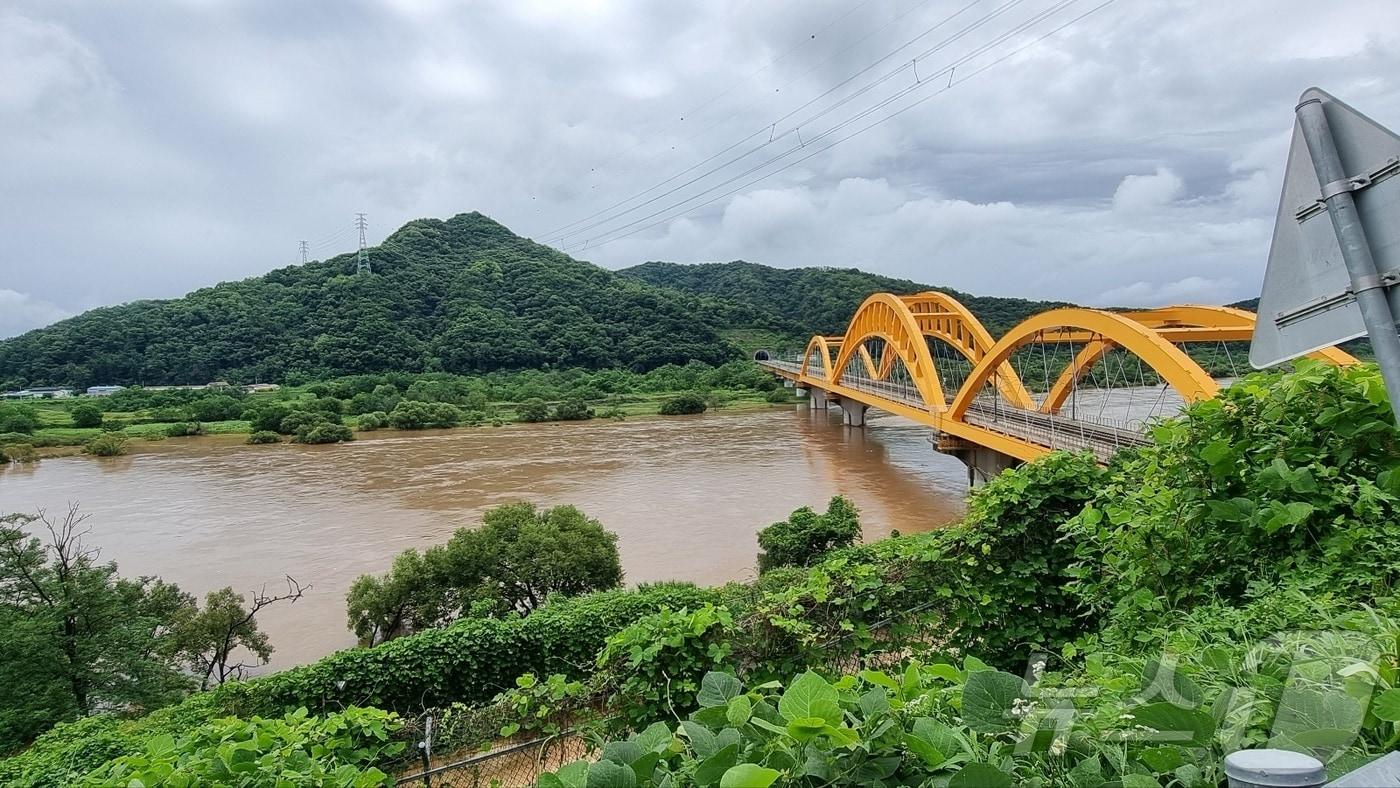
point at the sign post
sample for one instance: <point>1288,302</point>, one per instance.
<point>1328,282</point>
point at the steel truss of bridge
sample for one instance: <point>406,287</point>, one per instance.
<point>927,358</point>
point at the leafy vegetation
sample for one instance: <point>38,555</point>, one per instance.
<point>340,750</point>
<point>805,536</point>
<point>512,563</point>
<point>1264,623</point>
<point>685,403</point>
<point>108,444</point>
<point>463,295</point>
<point>80,639</point>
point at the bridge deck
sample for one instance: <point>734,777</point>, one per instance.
<point>1016,431</point>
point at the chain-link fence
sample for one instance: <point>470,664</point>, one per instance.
<point>517,765</point>
<point>514,766</point>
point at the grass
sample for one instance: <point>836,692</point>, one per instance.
<point>58,434</point>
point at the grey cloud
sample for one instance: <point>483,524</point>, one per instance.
<point>158,147</point>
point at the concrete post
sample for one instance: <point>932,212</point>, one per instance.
<point>853,413</point>
<point>1273,768</point>
<point>820,400</point>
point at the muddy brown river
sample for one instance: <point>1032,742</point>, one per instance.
<point>685,495</point>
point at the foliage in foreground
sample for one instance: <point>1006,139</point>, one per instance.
<point>1129,723</point>
<point>805,536</point>
<point>341,750</point>
<point>512,563</point>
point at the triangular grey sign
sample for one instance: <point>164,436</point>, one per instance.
<point>1306,303</point>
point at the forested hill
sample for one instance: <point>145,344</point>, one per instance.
<point>461,295</point>
<point>806,301</point>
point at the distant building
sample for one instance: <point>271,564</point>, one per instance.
<point>254,388</point>
<point>43,392</point>
<point>103,391</point>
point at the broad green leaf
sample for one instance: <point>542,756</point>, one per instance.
<point>739,710</point>
<point>925,750</point>
<point>607,774</point>
<point>717,688</point>
<point>655,738</point>
<point>810,696</point>
<point>748,775</point>
<point>573,775</point>
<point>1386,705</point>
<point>874,702</point>
<point>1139,781</point>
<point>980,775</point>
<point>879,678</point>
<point>713,768</point>
<point>702,741</point>
<point>988,698</point>
<point>1172,723</point>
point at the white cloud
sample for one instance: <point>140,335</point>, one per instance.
<point>151,149</point>
<point>1140,193</point>
<point>20,312</point>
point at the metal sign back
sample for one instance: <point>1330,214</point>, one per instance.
<point>1307,302</point>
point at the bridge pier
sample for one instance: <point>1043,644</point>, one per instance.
<point>820,400</point>
<point>983,464</point>
<point>853,413</point>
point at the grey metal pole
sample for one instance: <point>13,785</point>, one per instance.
<point>1356,252</point>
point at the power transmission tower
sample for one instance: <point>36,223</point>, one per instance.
<point>362,261</point>
<point>304,247</point>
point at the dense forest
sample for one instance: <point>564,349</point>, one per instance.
<point>464,295</point>
<point>806,301</point>
<point>461,295</point>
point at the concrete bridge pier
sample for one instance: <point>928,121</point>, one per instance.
<point>982,463</point>
<point>820,400</point>
<point>853,413</point>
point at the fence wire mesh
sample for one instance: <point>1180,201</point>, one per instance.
<point>519,765</point>
<point>514,766</point>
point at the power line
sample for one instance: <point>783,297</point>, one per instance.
<point>303,252</point>
<point>842,124</point>
<point>950,85</point>
<point>726,91</point>
<point>794,130</point>
<point>767,127</point>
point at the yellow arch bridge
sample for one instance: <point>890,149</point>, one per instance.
<point>1071,378</point>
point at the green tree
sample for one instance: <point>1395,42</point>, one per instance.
<point>219,407</point>
<point>86,414</point>
<point>213,641</point>
<point>517,558</point>
<point>78,638</point>
<point>533,410</point>
<point>683,404</point>
<point>18,418</point>
<point>573,410</point>
<point>108,444</point>
<point>806,537</point>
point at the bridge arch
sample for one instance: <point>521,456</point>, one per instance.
<point>1180,323</point>
<point>1101,331</point>
<point>885,316</point>
<point>944,318</point>
<point>818,345</point>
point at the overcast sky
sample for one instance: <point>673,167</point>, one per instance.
<point>1133,157</point>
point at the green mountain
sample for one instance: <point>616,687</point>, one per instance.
<point>803,301</point>
<point>461,295</point>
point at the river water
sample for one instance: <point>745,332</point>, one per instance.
<point>685,495</point>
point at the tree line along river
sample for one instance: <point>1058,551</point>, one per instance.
<point>685,495</point>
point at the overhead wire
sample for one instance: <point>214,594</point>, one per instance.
<point>772,125</point>
<point>950,70</point>
<point>794,130</point>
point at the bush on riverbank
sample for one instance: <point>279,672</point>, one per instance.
<point>264,437</point>
<point>682,404</point>
<point>805,536</point>
<point>109,444</point>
